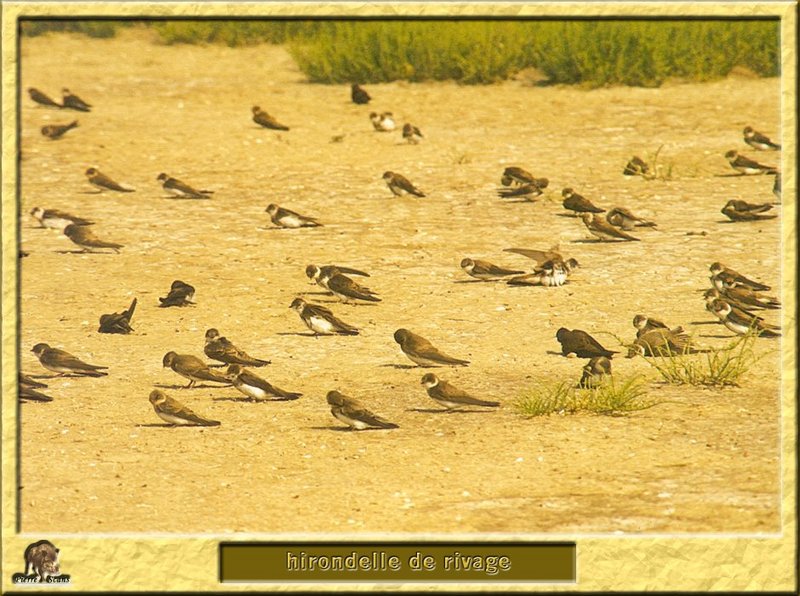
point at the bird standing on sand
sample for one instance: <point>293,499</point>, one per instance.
<point>353,413</point>
<point>737,210</point>
<point>180,294</point>
<point>42,99</point>
<point>359,95</point>
<point>56,131</point>
<point>99,180</point>
<point>256,388</point>
<point>175,413</point>
<point>400,185</point>
<point>261,118</point>
<point>286,218</point>
<point>192,368</point>
<point>421,352</point>
<point>452,398</point>
<point>484,270</point>
<point>320,319</point>
<point>220,349</point>
<point>603,230</point>
<point>759,141</point>
<point>181,189</point>
<point>85,238</point>
<point>577,203</point>
<point>746,166</point>
<point>74,102</point>
<point>581,344</point>
<point>65,363</point>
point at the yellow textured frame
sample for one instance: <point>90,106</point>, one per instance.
<point>190,563</point>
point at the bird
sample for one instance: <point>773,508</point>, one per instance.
<point>103,182</point>
<point>644,324</point>
<point>621,217</point>
<point>411,133</point>
<point>662,342</point>
<point>345,288</point>
<point>421,352</point>
<point>747,166</point>
<point>119,322</point>
<point>192,368</point>
<point>56,219</point>
<point>315,273</point>
<point>452,398</point>
<point>399,184</point>
<point>549,274</point>
<point>636,167</point>
<point>354,414</point>
<point>65,363</point>
<point>358,95</point>
<point>219,348</point>
<point>603,230</point>
<point>759,141</point>
<point>256,388</point>
<point>542,256</point>
<point>581,344</point>
<point>516,175</point>
<point>261,118</point>
<point>56,131</point>
<point>24,379</point>
<point>383,122</point>
<point>713,294</point>
<point>577,203</point>
<point>85,238</point>
<point>180,294</point>
<point>484,270</point>
<point>320,319</point>
<point>175,413</point>
<point>737,210</point>
<point>286,218</point>
<point>740,322</point>
<point>181,189</point>
<point>42,99</point>
<point>74,102</point>
<point>717,268</point>
<point>744,295</point>
<point>594,371</point>
<point>28,393</point>
<point>527,191</point>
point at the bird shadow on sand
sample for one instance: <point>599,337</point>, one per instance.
<point>177,198</point>
<point>446,411</point>
<point>554,353</point>
<point>704,323</point>
<point>570,216</point>
<point>82,252</point>
<point>400,366</point>
<point>241,399</point>
<point>737,175</point>
<point>472,281</point>
<point>345,429</point>
<point>300,334</point>
<point>309,293</point>
<point>91,192</point>
<point>162,425</point>
<point>164,386</point>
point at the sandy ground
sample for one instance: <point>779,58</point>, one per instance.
<point>98,459</point>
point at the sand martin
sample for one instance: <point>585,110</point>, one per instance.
<point>316,273</point>
<point>24,379</point>
<point>622,218</point>
<point>320,319</point>
<point>354,414</point>
<point>85,238</point>
<point>717,268</point>
<point>358,95</point>
<point>28,393</point>
<point>119,322</point>
<point>286,218</point>
<point>578,204</point>
<point>452,398</point>
<point>581,344</point>
<point>180,294</point>
<point>644,324</point>
<point>758,141</point>
<point>743,311</point>
<point>636,167</point>
<point>344,288</point>
<point>175,413</point>
<point>742,211</point>
<point>65,363</point>
<point>745,296</point>
<point>518,176</point>
<point>485,270</point>
<point>181,189</point>
<point>599,227</point>
<point>261,118</point>
<point>56,131</point>
<point>74,102</point>
<point>103,182</point>
<point>527,191</point>
<point>255,387</point>
<point>383,122</point>
<point>412,134</point>
<point>192,368</point>
<point>662,342</point>
<point>740,322</point>
<point>542,256</point>
<point>399,185</point>
<point>745,165</point>
<point>219,348</point>
<point>550,274</point>
<point>594,371</point>
<point>58,220</point>
<point>421,352</point>
<point>41,98</point>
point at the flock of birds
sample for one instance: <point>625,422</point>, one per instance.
<point>733,298</point>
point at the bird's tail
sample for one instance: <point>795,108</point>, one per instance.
<point>129,313</point>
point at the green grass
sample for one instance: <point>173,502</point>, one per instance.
<point>90,28</point>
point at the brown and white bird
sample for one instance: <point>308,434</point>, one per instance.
<point>85,238</point>
<point>383,122</point>
<point>320,319</point>
<point>56,219</point>
<point>551,274</point>
<point>759,141</point>
<point>181,189</point>
<point>746,166</point>
<point>359,95</point>
<point>662,342</point>
<point>621,217</point>
<point>192,368</point>
<point>175,413</point>
<point>118,322</point>
<point>636,167</point>
<point>354,414</point>
<point>27,393</point>
<point>484,270</point>
<point>261,118</point>
<point>594,371</point>
<point>344,288</point>
<point>286,218</point>
<point>718,268</point>
<point>56,131</point>
<point>256,388</point>
<point>603,230</point>
<point>42,98</point>
<point>400,185</point>
<point>517,176</point>
<point>741,322</point>
<point>65,363</point>
<point>69,100</point>
<point>645,324</point>
<point>452,398</point>
<point>316,273</point>
<point>527,191</point>
<point>577,203</point>
<point>180,294</point>
<point>732,291</point>
<point>220,349</point>
<point>421,352</point>
<point>99,180</point>
<point>412,134</point>
<point>581,344</point>
<point>737,210</point>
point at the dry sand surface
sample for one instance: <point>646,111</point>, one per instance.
<point>98,459</point>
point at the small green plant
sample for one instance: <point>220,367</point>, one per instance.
<point>547,398</point>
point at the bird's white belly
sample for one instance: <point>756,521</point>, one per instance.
<point>174,419</point>
<point>320,325</point>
